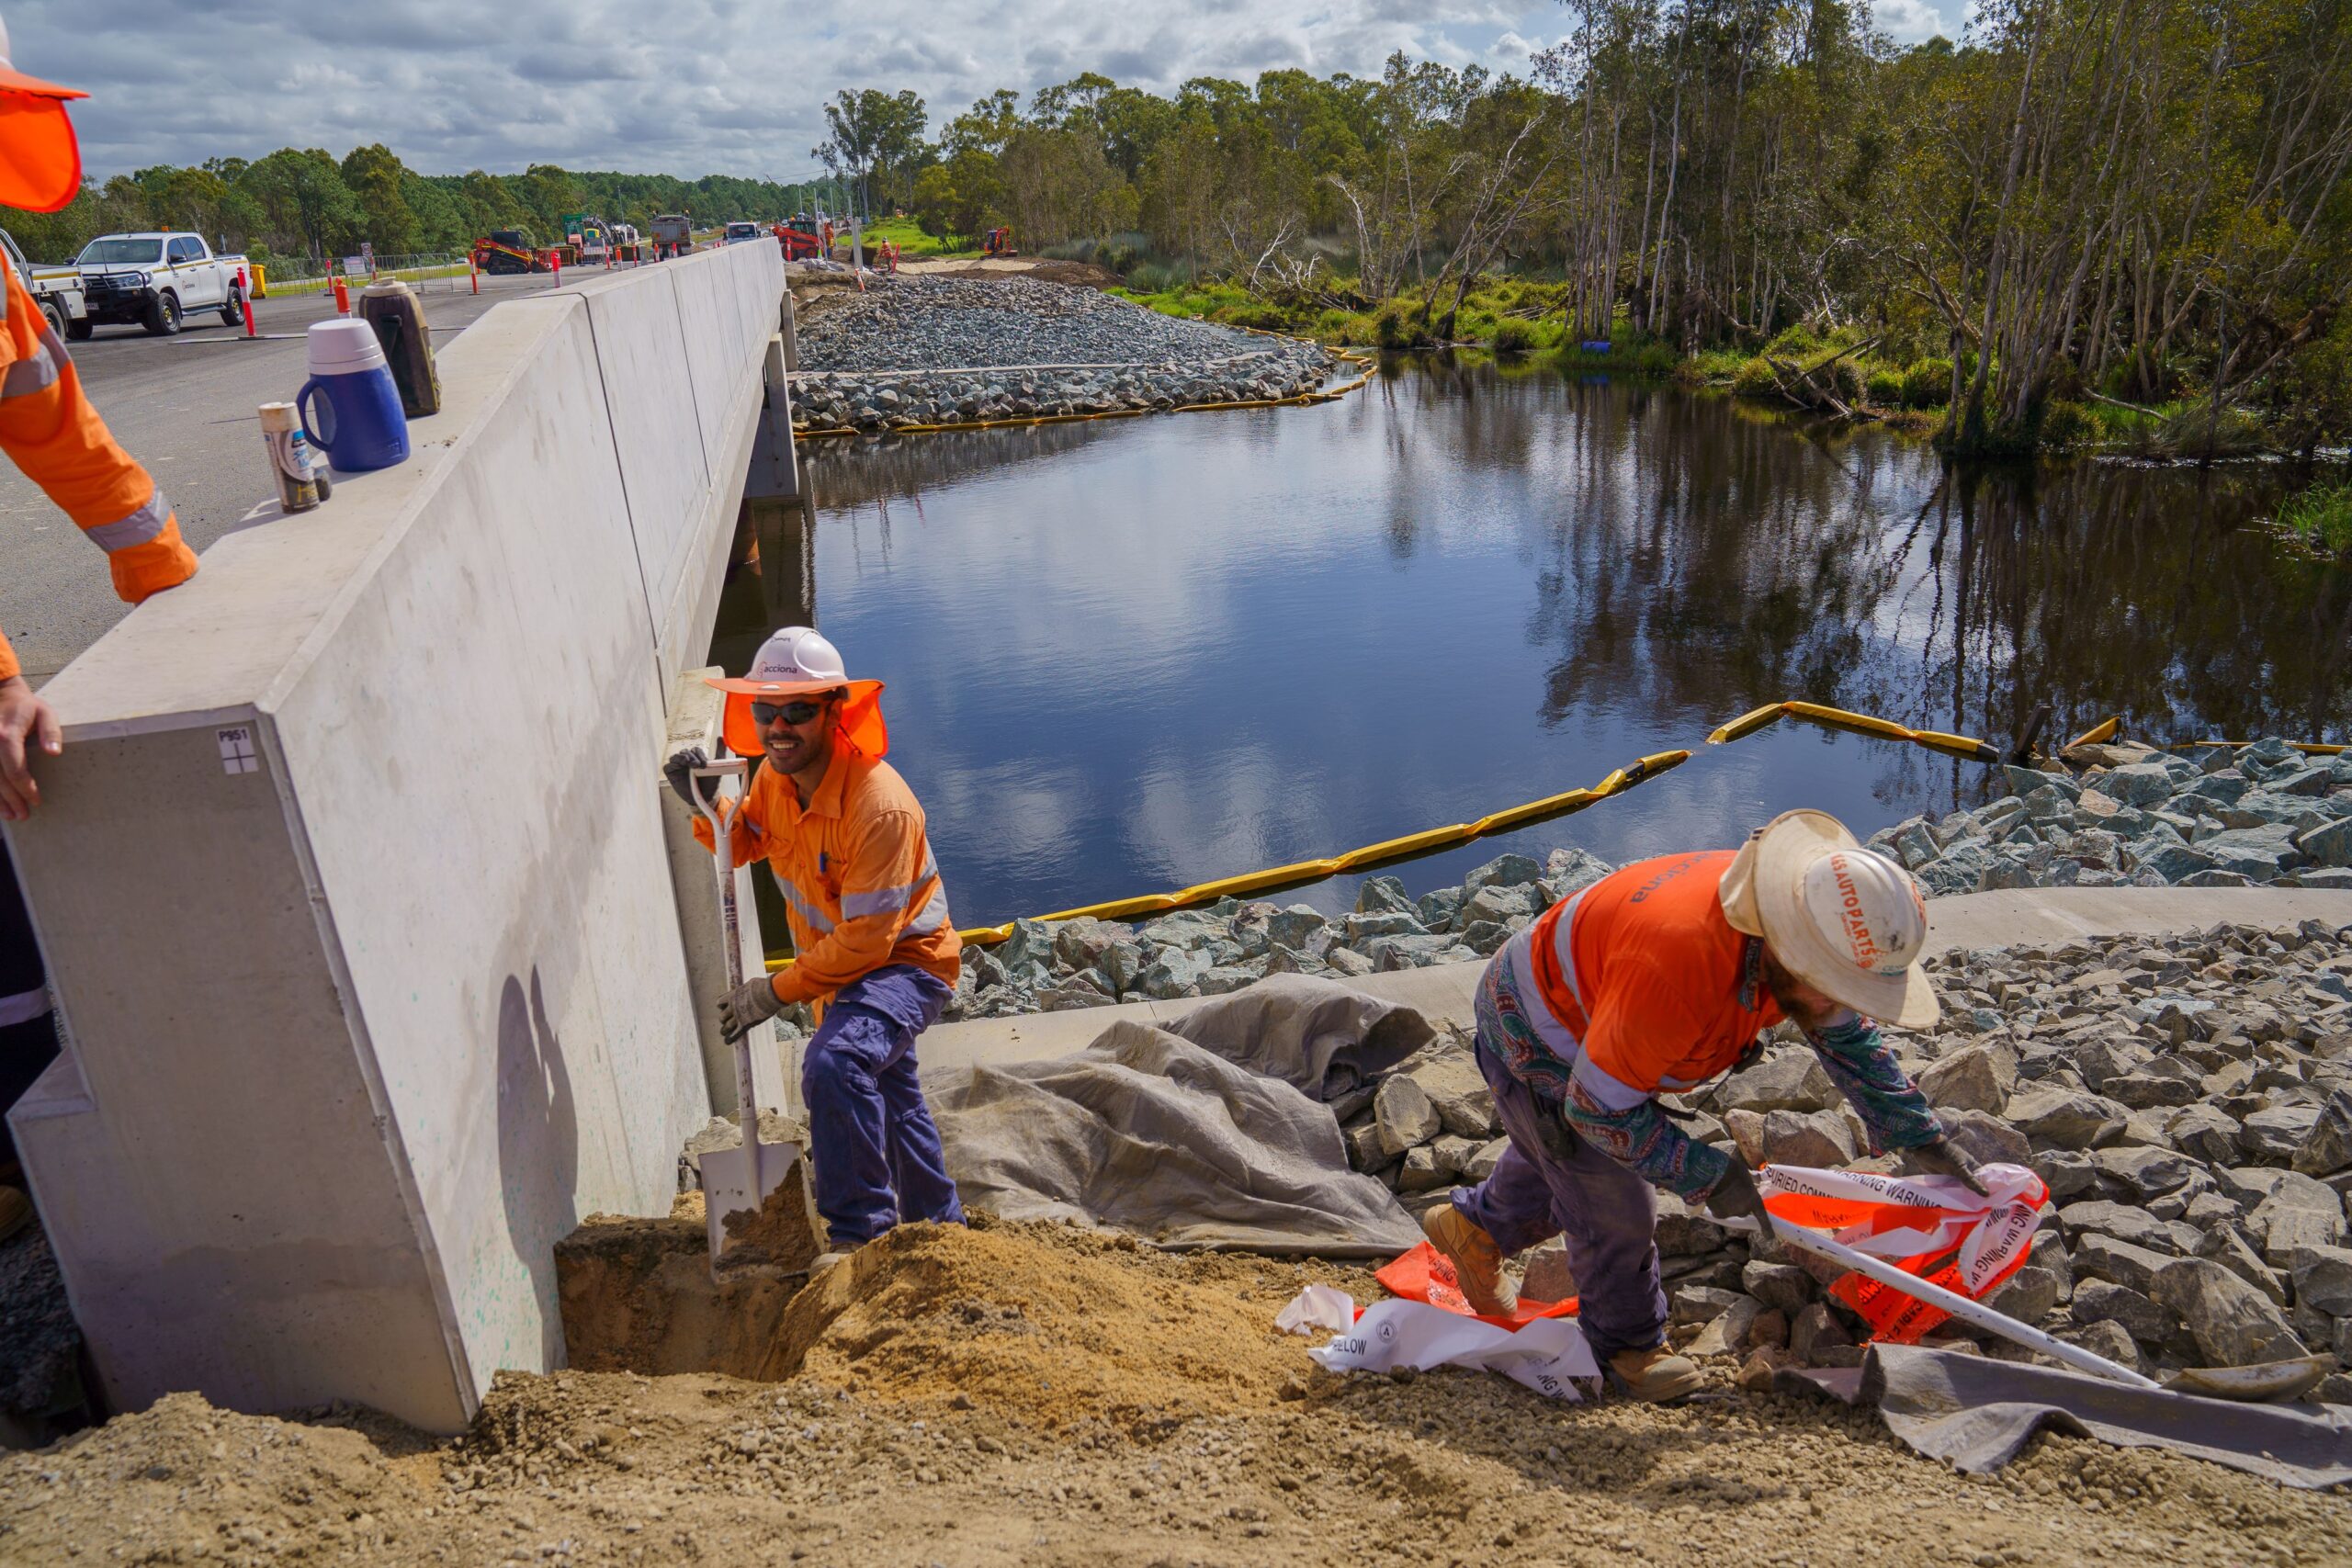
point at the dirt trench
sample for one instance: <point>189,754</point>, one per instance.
<point>1035,1394</point>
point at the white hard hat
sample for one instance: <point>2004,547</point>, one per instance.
<point>793,662</point>
<point>1846,920</point>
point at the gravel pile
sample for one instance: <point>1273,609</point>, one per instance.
<point>2188,1100</point>
<point>916,350</point>
<point>2119,815</point>
<point>2132,816</point>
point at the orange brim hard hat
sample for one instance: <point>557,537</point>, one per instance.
<point>41,158</point>
<point>861,718</point>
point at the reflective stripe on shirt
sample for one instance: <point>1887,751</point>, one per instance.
<point>816,919</point>
<point>36,373</point>
<point>882,900</point>
<point>145,524</point>
<point>933,916</point>
<point>24,1006</point>
<point>1518,953</point>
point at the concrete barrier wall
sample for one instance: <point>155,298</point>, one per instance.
<point>353,882</point>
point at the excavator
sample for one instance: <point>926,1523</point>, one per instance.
<point>999,243</point>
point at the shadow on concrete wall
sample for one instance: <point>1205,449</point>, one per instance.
<point>538,1147</point>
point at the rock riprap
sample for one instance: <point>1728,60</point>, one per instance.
<point>2132,816</point>
<point>924,351</point>
<point>2187,1099</point>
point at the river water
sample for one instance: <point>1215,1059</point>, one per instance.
<point>1135,654</point>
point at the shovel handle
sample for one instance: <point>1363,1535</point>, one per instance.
<point>1966,1308</point>
<point>731,934</point>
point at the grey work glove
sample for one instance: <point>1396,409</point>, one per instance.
<point>1735,1197</point>
<point>1944,1158</point>
<point>748,1005</point>
<point>679,771</point>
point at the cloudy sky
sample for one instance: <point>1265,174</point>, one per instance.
<point>680,87</point>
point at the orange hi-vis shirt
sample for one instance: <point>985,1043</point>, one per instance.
<point>860,886</point>
<point>48,429</point>
<point>1639,985</point>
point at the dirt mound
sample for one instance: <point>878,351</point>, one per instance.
<point>191,1482</point>
<point>921,1433</point>
<point>1047,1322</point>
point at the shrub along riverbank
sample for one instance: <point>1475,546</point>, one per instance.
<point>1849,370</point>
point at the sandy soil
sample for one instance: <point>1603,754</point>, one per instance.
<point>1015,1395</point>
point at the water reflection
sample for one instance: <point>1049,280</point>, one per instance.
<point>1138,653</point>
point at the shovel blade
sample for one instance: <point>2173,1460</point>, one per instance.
<point>739,1179</point>
<point>2263,1383</point>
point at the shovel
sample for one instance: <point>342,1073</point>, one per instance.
<point>740,1178</point>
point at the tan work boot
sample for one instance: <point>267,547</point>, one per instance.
<point>1655,1374</point>
<point>16,1211</point>
<point>1477,1261</point>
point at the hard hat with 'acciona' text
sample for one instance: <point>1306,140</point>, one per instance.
<point>1846,920</point>
<point>797,662</point>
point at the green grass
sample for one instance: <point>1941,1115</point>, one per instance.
<point>911,241</point>
<point>2320,515</point>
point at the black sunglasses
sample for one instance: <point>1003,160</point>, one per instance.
<point>791,712</point>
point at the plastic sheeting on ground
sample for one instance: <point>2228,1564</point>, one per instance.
<point>1211,1135</point>
<point>1913,1222</point>
<point>1548,1354</point>
<point>1976,1414</point>
<point>1425,1274</point>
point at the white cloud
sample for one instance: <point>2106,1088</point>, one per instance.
<point>1915,21</point>
<point>687,86</point>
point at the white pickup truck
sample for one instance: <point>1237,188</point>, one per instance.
<point>155,279</point>
<point>56,289</point>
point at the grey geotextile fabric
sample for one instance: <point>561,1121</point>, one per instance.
<point>1196,1136</point>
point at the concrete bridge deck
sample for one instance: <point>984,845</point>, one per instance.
<point>353,876</point>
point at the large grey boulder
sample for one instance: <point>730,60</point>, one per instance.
<point>2234,1325</point>
<point>1458,1092</point>
<point>1402,1111</point>
<point>2102,1301</point>
<point>2322,1277</point>
<point>2099,1256</point>
<point>2053,1116</point>
<point>1791,1079</point>
<point>1980,1078</point>
<point>2327,1148</point>
<point>1503,871</point>
<point>1815,1138</point>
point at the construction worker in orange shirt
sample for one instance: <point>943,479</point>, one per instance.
<point>874,952</point>
<point>1652,981</point>
<point>48,429</point>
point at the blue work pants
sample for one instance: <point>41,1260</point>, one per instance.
<point>1550,1182</point>
<point>873,1144</point>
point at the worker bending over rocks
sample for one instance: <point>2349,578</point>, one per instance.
<point>876,955</point>
<point>1652,981</point>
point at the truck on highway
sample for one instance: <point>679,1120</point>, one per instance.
<point>737,233</point>
<point>155,279</point>
<point>673,235</point>
<point>56,289</point>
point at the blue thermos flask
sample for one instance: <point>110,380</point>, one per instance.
<point>350,405</point>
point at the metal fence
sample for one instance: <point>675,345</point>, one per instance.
<point>430,272</point>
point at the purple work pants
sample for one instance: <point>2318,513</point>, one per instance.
<point>872,1139</point>
<point>1550,1182</point>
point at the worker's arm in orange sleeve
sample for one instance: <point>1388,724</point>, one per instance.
<point>9,668</point>
<point>747,838</point>
<point>48,429</point>
<point>885,870</point>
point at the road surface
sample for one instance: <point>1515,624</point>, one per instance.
<point>183,406</point>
